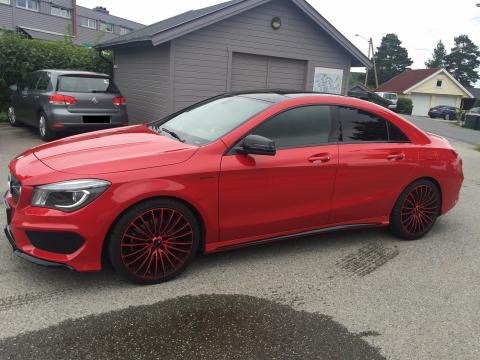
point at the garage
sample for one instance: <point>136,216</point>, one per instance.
<point>251,72</point>
<point>237,45</point>
<point>421,104</point>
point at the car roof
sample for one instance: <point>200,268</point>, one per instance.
<point>276,96</point>
<point>73,72</point>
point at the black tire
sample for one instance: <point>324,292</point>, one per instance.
<point>410,221</point>
<point>158,261</point>
<point>446,117</point>
<point>12,117</point>
<point>46,134</point>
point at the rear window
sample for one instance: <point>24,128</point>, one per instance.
<point>86,84</point>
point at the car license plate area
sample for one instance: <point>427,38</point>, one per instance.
<point>96,119</point>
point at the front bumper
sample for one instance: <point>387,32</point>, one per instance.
<point>23,220</point>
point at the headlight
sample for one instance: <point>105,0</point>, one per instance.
<point>68,195</point>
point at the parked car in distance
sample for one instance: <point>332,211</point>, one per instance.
<point>235,170</point>
<point>57,101</point>
<point>475,111</point>
<point>392,97</point>
<point>444,112</point>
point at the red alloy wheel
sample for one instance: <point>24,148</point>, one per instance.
<point>157,244</point>
<point>419,209</point>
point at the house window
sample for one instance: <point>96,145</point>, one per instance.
<point>88,23</point>
<point>125,30</point>
<point>28,4</point>
<point>58,11</point>
<point>439,83</point>
<point>104,26</point>
<point>8,2</point>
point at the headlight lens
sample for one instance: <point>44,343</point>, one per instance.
<point>68,195</point>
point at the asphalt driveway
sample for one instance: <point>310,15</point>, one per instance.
<point>349,295</point>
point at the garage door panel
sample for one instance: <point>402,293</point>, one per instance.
<point>421,104</point>
<point>251,72</point>
<point>445,100</point>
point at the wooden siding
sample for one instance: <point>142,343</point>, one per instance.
<point>41,21</point>
<point>203,58</point>
<point>142,75</point>
<point>448,86</point>
<point>6,17</point>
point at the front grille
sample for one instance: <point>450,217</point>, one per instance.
<point>14,186</point>
<point>61,242</point>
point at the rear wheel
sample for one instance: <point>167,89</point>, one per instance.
<point>416,210</point>
<point>44,129</point>
<point>154,241</point>
<point>447,117</point>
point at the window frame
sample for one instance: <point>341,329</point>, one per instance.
<point>69,11</point>
<point>88,22</point>
<point>6,2</point>
<point>122,28</point>
<point>441,83</point>
<point>387,122</point>
<point>26,7</point>
<point>100,22</point>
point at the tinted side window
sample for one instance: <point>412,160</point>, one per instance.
<point>357,125</point>
<point>395,134</point>
<point>43,82</point>
<point>299,127</point>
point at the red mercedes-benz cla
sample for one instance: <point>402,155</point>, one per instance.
<point>234,170</point>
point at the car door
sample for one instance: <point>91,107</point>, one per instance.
<point>376,161</point>
<point>31,100</point>
<point>263,196</point>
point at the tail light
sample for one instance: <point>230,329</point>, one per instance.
<point>59,99</point>
<point>119,100</point>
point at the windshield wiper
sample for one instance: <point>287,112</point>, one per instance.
<point>174,134</point>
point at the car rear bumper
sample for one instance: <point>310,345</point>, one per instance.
<point>61,119</point>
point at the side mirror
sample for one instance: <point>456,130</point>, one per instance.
<point>13,87</point>
<point>256,144</point>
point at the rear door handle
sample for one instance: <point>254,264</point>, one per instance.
<point>320,158</point>
<point>396,156</point>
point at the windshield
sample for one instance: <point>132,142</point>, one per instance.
<point>390,96</point>
<point>209,122</point>
<point>86,84</point>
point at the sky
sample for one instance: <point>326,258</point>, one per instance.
<point>418,23</point>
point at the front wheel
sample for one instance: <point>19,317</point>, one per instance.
<point>447,117</point>
<point>154,241</point>
<point>416,210</point>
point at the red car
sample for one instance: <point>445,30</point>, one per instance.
<point>235,170</point>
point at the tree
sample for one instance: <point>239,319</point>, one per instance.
<point>391,58</point>
<point>439,56</point>
<point>463,61</point>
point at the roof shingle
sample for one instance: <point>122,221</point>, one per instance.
<point>406,80</point>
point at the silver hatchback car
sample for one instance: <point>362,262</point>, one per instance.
<point>59,101</point>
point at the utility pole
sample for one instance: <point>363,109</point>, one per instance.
<point>371,56</point>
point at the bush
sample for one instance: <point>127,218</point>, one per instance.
<point>404,106</point>
<point>20,56</point>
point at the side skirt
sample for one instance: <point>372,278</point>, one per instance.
<point>297,235</point>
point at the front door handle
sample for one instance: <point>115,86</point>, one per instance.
<point>396,156</point>
<point>320,158</point>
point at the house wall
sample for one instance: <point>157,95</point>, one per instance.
<point>448,87</point>
<point>143,76</point>
<point>12,17</point>
<point>202,59</point>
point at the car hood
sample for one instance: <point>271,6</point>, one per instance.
<point>108,151</point>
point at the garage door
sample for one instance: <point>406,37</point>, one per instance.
<point>445,100</point>
<point>250,72</point>
<point>421,104</point>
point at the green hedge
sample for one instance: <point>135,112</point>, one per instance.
<point>404,106</point>
<point>19,56</point>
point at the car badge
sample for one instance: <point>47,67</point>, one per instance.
<point>95,101</point>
